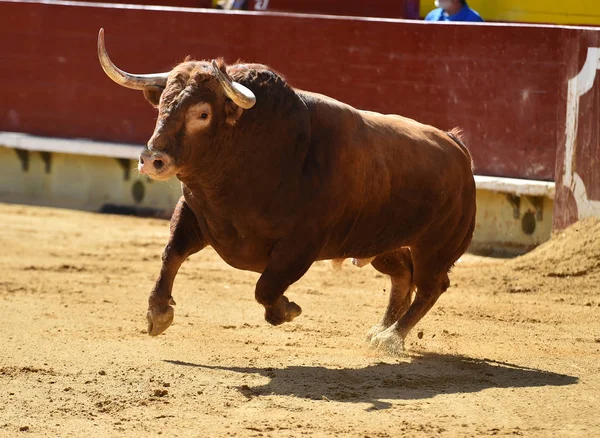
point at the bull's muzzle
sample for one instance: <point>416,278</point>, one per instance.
<point>153,163</point>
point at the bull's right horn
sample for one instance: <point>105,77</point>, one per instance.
<point>241,95</point>
<point>136,82</point>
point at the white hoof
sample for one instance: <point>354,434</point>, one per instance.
<point>389,341</point>
<point>374,331</point>
<point>362,262</point>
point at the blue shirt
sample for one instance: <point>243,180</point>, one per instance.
<point>465,14</point>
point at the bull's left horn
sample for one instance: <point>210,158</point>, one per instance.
<point>241,96</point>
<point>136,82</point>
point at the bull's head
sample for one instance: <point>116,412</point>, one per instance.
<point>195,101</point>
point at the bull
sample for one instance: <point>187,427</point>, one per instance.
<point>275,178</point>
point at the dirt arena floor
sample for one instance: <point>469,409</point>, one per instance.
<point>512,348</point>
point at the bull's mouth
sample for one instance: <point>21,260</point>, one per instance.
<point>158,176</point>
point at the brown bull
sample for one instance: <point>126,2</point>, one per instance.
<point>275,178</point>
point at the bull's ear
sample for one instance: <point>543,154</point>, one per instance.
<point>232,112</point>
<point>152,95</point>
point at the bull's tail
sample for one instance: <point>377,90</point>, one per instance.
<point>456,135</point>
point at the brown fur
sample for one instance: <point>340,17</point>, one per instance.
<point>302,177</point>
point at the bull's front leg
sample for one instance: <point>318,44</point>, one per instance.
<point>185,240</point>
<point>288,262</point>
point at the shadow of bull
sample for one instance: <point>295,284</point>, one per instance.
<point>425,376</point>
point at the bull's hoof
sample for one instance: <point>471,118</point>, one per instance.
<point>292,310</point>
<point>159,321</point>
<point>389,342</point>
<point>374,331</point>
<point>284,311</point>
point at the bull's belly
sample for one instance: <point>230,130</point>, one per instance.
<point>246,255</point>
<point>363,242</point>
<point>362,249</point>
<point>364,239</point>
<point>371,238</point>
<point>253,264</point>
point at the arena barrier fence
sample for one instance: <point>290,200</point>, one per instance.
<point>524,95</point>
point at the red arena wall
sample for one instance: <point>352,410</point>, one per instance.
<point>504,85</point>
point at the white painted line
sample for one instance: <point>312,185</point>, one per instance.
<point>579,85</point>
<point>69,146</point>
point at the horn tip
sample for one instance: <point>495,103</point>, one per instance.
<point>101,38</point>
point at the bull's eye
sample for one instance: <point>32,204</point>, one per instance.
<point>198,117</point>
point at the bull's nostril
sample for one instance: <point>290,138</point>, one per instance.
<point>158,164</point>
<point>141,160</point>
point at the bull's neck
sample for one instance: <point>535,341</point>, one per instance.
<point>218,181</point>
<point>210,170</point>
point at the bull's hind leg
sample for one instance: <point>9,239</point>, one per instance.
<point>431,264</point>
<point>398,265</point>
<point>429,289</point>
<point>185,240</point>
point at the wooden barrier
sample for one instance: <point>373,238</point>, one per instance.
<point>502,84</point>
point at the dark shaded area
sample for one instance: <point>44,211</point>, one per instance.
<point>136,211</point>
<point>426,376</point>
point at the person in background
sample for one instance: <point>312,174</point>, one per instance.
<point>453,10</point>
<point>231,4</point>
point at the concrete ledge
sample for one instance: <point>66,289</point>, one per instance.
<point>518,187</point>
<point>81,179</point>
<point>69,146</point>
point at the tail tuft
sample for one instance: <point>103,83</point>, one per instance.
<point>456,134</point>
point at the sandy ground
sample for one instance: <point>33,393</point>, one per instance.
<point>512,348</point>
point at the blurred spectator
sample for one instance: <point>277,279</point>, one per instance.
<point>453,10</point>
<point>232,4</point>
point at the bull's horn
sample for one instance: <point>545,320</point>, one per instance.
<point>137,82</point>
<point>241,96</point>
